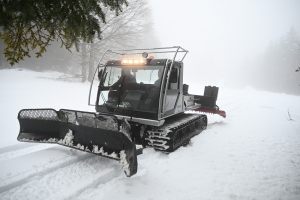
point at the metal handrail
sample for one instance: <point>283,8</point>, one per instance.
<point>177,49</point>
<point>97,68</point>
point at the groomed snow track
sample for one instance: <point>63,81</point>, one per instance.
<point>61,173</point>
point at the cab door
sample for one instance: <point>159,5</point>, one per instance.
<point>173,93</point>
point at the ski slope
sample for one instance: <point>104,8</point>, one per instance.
<point>252,154</point>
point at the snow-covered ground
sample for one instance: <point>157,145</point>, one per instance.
<point>252,154</point>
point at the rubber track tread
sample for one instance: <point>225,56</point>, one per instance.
<point>176,132</point>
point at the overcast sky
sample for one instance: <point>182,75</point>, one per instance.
<point>220,33</point>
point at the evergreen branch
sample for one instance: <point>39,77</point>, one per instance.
<point>36,23</point>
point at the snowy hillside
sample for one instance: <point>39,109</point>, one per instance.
<point>252,154</point>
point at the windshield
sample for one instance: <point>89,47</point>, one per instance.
<point>131,87</point>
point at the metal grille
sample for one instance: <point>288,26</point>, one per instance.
<point>107,122</point>
<point>39,114</point>
<point>89,119</point>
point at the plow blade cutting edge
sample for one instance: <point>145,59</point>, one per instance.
<point>103,135</point>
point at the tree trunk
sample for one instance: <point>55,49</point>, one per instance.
<point>91,62</point>
<point>83,69</point>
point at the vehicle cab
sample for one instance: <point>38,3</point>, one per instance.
<point>144,90</point>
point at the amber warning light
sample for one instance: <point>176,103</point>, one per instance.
<point>134,61</point>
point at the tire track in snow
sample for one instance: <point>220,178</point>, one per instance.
<point>69,181</point>
<point>96,185</point>
<point>101,189</point>
<point>21,150</point>
<point>234,105</point>
<point>227,97</point>
<point>232,101</point>
<point>16,147</point>
<point>103,178</point>
<point>231,104</point>
<point>36,164</point>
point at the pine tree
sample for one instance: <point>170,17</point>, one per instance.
<point>29,24</point>
<point>275,69</point>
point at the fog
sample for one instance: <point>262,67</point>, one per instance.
<point>231,43</point>
<point>220,35</point>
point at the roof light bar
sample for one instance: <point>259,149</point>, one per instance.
<point>134,61</point>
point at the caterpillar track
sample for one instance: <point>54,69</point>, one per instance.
<point>176,132</point>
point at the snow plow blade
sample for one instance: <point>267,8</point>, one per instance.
<point>99,134</point>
